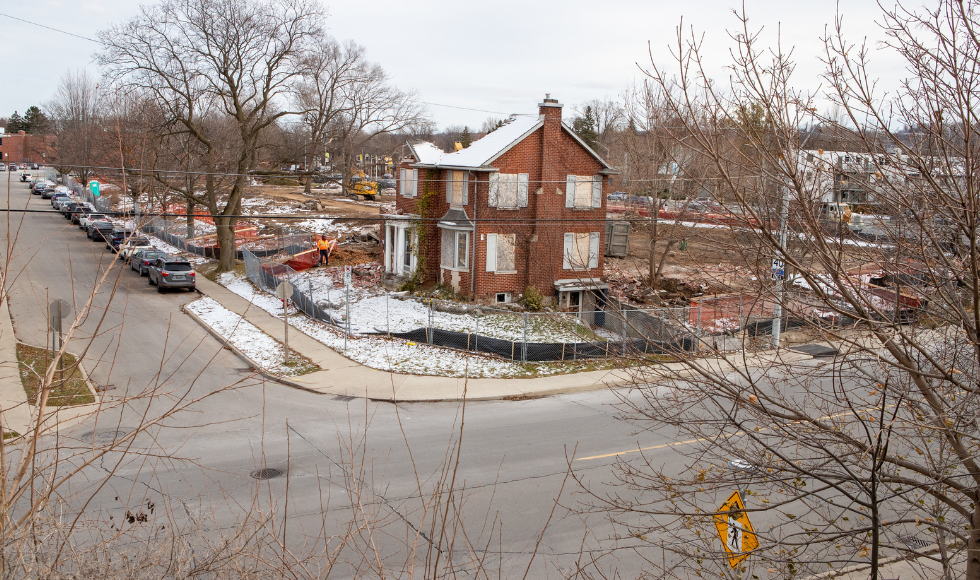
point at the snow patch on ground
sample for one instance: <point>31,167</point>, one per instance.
<point>246,337</point>
<point>383,353</point>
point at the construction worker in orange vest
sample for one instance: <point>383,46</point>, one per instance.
<point>325,246</point>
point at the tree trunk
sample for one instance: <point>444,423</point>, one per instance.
<point>973,544</point>
<point>190,219</point>
<point>308,188</point>
<point>226,244</point>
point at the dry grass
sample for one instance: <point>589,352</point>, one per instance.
<point>68,388</point>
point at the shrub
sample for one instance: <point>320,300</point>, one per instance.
<point>533,300</point>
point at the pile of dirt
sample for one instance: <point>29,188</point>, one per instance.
<point>346,256</point>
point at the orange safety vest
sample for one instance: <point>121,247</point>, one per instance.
<point>323,244</point>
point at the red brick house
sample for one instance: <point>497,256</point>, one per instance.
<point>523,206</point>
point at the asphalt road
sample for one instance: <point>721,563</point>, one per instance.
<point>346,460</point>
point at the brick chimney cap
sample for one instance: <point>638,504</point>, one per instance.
<point>549,102</point>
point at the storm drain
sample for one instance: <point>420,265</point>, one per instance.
<point>267,473</point>
<point>914,542</point>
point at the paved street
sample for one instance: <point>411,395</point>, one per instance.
<point>513,452</point>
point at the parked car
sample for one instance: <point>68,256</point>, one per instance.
<point>26,176</point>
<point>34,166</point>
<point>616,196</point>
<point>119,235</point>
<point>171,273</point>
<point>23,166</point>
<point>142,258</point>
<point>81,210</point>
<point>100,230</point>
<point>87,220</point>
<point>61,197</point>
<point>129,247</point>
<point>66,207</point>
<point>13,167</point>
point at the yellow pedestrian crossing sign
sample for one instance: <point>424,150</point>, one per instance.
<point>735,530</point>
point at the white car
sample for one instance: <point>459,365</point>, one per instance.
<point>132,245</point>
<point>87,220</point>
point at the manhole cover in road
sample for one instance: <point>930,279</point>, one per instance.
<point>816,350</point>
<point>107,435</point>
<point>267,473</point>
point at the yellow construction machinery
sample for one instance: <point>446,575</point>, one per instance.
<point>359,184</point>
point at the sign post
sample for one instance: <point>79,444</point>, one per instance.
<point>735,530</point>
<point>284,290</point>
<point>58,310</point>
<point>347,273</point>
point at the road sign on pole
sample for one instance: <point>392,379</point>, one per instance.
<point>347,272</point>
<point>284,290</point>
<point>778,269</point>
<point>735,530</point>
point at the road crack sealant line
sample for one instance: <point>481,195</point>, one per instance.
<point>258,368</point>
<point>384,500</point>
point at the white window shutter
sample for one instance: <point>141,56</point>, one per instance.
<point>466,188</point>
<point>403,187</point>
<point>593,250</point>
<point>522,183</point>
<point>566,260</point>
<point>491,252</point>
<point>494,189</point>
<point>414,188</point>
<point>569,191</point>
<point>597,191</point>
<point>450,181</point>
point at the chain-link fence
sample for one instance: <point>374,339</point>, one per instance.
<point>615,331</point>
<point>286,241</point>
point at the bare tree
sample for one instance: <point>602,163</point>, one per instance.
<point>76,112</point>
<point>845,459</point>
<point>321,94</point>
<point>218,69</point>
<point>373,108</point>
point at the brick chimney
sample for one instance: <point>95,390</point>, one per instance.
<point>547,239</point>
<point>550,108</point>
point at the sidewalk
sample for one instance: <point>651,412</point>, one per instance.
<point>342,377</point>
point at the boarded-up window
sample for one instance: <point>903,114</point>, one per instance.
<point>508,190</point>
<point>409,182</point>
<point>581,251</point>
<point>500,252</point>
<point>456,187</point>
<point>583,191</point>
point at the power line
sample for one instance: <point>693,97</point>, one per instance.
<point>464,108</point>
<point>50,28</point>
<point>167,172</point>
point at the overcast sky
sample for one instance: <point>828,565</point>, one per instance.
<point>498,57</point>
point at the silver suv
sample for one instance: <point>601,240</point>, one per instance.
<point>172,273</point>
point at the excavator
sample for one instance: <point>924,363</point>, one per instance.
<point>359,184</point>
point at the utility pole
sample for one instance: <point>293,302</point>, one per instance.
<point>779,269</point>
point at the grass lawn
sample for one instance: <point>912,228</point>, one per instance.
<point>72,390</point>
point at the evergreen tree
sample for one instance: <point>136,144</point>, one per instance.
<point>584,127</point>
<point>464,138</point>
<point>35,122</point>
<point>15,123</point>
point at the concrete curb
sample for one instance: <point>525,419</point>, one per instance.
<point>258,368</point>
